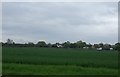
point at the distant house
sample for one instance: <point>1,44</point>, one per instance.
<point>59,46</point>
<point>85,47</point>
<point>99,49</point>
<point>111,48</point>
<point>93,46</point>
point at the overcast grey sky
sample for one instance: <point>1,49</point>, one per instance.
<point>60,0</point>
<point>92,22</point>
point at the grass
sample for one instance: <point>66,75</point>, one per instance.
<point>53,60</point>
<point>26,69</point>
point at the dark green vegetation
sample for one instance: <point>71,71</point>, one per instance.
<point>67,44</point>
<point>26,69</point>
<point>58,61</point>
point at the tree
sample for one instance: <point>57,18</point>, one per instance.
<point>54,45</point>
<point>31,44</point>
<point>106,46</point>
<point>66,44</point>
<point>101,45</point>
<point>117,46</point>
<point>9,41</point>
<point>49,45</point>
<point>41,44</point>
<point>96,45</point>
<point>80,44</point>
<point>89,45</point>
<point>73,45</point>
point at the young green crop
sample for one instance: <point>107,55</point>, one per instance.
<point>61,56</point>
<point>26,69</point>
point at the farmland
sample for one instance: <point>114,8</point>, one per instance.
<point>58,61</point>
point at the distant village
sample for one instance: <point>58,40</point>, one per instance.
<point>67,44</point>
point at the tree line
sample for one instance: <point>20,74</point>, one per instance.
<point>67,44</point>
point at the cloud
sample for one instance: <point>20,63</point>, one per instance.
<point>58,22</point>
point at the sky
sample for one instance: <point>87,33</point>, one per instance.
<point>92,22</point>
<point>0,21</point>
<point>60,0</point>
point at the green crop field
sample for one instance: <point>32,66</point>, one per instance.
<point>58,61</point>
